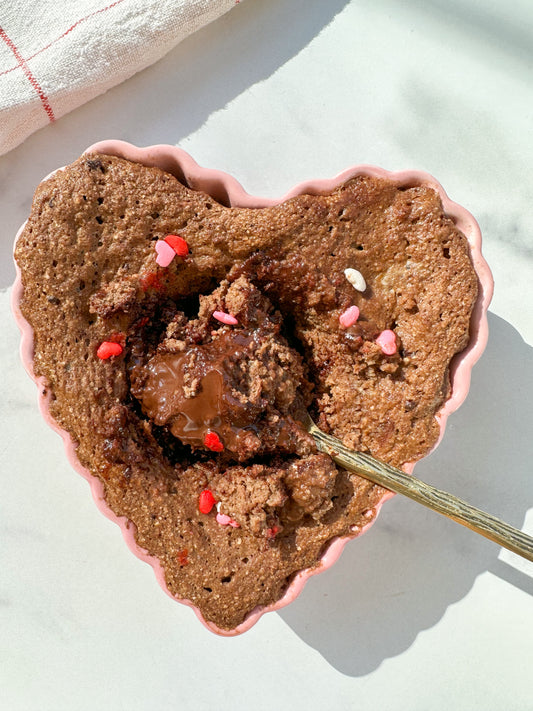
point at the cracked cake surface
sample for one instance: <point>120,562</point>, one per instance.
<point>183,370</point>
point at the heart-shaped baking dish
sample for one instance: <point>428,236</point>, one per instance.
<point>226,190</point>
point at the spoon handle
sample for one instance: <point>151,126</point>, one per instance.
<point>446,504</point>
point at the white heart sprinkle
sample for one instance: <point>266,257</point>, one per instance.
<point>356,279</point>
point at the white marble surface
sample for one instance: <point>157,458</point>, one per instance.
<point>419,614</point>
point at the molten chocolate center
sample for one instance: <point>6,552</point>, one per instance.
<point>194,392</point>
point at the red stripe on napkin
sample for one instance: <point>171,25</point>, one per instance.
<point>66,32</point>
<point>29,75</point>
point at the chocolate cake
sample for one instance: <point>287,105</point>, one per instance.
<point>183,342</point>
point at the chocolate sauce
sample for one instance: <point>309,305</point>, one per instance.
<point>194,392</point>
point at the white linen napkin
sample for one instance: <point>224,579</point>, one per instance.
<point>55,56</point>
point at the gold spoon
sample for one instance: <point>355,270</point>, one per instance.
<point>440,501</point>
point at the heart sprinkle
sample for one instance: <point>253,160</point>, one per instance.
<point>356,279</point>
<point>178,244</point>
<point>225,520</point>
<point>387,342</point>
<point>206,501</point>
<point>212,442</point>
<point>165,253</point>
<point>225,318</point>
<point>108,349</point>
<point>349,317</point>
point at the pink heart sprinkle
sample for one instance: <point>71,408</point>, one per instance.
<point>349,317</point>
<point>225,318</point>
<point>165,253</point>
<point>225,520</point>
<point>387,342</point>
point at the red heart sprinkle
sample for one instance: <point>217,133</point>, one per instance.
<point>206,501</point>
<point>178,244</point>
<point>212,442</point>
<point>108,349</point>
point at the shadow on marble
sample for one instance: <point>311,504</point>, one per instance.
<point>513,576</point>
<point>401,577</point>
<point>167,101</point>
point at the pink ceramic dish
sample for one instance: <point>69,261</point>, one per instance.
<point>229,192</point>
